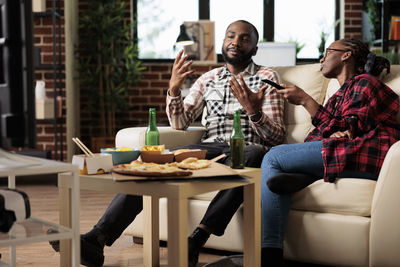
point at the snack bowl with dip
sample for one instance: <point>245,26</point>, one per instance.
<point>121,155</point>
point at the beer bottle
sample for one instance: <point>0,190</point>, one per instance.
<point>152,134</point>
<point>237,143</point>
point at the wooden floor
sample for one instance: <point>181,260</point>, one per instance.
<point>44,204</point>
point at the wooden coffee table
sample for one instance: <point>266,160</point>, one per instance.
<point>177,193</point>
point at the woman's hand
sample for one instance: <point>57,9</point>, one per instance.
<point>294,95</point>
<point>179,73</point>
<point>297,96</point>
<point>340,134</point>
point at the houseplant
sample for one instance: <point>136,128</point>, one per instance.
<point>394,58</point>
<point>108,62</point>
<point>371,7</point>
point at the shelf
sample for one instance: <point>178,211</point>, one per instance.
<point>51,120</point>
<point>49,67</point>
<point>56,14</point>
<point>390,42</point>
<point>47,14</point>
<point>388,9</point>
<point>33,230</point>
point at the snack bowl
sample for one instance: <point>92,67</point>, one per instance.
<point>156,157</point>
<point>121,155</point>
<point>182,154</point>
<point>156,154</point>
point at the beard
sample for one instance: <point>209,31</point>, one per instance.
<point>237,60</point>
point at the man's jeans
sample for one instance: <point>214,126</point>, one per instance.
<point>291,158</point>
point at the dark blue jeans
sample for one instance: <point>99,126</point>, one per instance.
<point>123,209</point>
<point>292,158</point>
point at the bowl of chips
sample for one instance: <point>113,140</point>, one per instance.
<point>121,155</point>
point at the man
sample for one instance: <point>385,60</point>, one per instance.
<point>223,90</point>
<point>237,85</point>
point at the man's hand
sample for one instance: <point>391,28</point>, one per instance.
<point>179,73</point>
<point>339,134</point>
<point>250,101</point>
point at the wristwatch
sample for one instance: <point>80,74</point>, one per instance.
<point>251,116</point>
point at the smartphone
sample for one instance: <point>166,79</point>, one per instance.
<point>274,84</point>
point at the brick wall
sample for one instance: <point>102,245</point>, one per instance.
<point>149,92</point>
<point>353,19</point>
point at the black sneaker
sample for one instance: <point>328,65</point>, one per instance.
<point>195,242</point>
<point>92,253</point>
<point>193,254</point>
<point>55,244</point>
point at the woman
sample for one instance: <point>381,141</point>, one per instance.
<point>352,135</point>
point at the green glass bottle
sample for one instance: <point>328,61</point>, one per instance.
<point>237,143</point>
<point>152,134</point>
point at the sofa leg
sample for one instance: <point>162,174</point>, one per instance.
<point>139,240</point>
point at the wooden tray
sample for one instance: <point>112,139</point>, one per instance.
<point>214,170</point>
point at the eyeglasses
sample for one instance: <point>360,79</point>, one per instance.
<point>329,50</point>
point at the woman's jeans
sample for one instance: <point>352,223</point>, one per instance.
<point>291,158</point>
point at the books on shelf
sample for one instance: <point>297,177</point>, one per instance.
<point>394,30</point>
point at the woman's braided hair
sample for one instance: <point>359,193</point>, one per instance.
<point>365,60</point>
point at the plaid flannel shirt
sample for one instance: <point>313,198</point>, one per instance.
<point>212,90</point>
<point>367,108</point>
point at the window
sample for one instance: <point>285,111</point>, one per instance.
<point>281,21</point>
<point>223,12</point>
<point>304,22</point>
<point>158,25</point>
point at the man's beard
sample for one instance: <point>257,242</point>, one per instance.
<point>237,60</point>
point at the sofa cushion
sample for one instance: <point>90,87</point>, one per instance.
<point>135,136</point>
<point>206,196</point>
<point>333,86</point>
<point>309,78</point>
<point>347,196</point>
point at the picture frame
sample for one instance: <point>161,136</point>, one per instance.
<point>203,34</point>
<point>39,5</point>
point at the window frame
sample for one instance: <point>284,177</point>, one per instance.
<point>268,31</point>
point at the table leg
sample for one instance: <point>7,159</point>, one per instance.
<point>64,203</point>
<point>69,201</point>
<point>75,207</point>
<point>13,256</point>
<point>151,240</point>
<point>252,225</point>
<point>177,232</point>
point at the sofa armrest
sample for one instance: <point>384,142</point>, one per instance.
<point>135,136</point>
<point>385,216</point>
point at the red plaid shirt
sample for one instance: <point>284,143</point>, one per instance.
<point>367,108</point>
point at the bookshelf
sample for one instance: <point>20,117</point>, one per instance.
<point>56,67</point>
<point>389,8</point>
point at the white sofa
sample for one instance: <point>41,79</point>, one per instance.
<point>352,222</point>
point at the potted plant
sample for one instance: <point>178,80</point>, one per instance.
<point>394,58</point>
<point>108,62</point>
<point>321,48</point>
<point>373,10</point>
